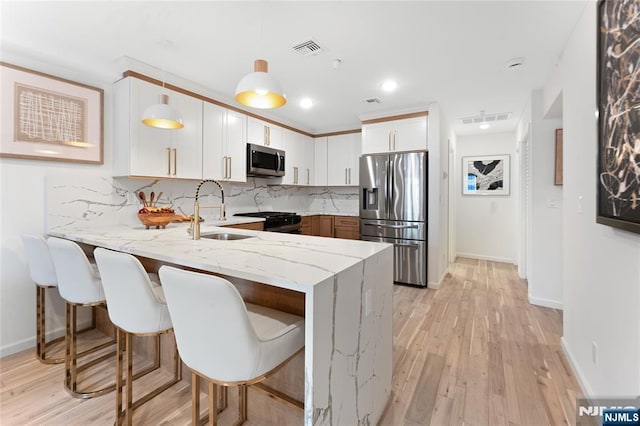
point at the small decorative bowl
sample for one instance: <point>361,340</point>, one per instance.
<point>159,220</point>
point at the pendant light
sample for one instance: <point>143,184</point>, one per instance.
<point>259,89</point>
<point>161,115</point>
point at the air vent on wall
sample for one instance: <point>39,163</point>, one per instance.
<point>309,47</point>
<point>373,101</point>
<point>486,118</point>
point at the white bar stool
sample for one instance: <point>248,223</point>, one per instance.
<point>224,340</point>
<point>136,307</point>
<point>43,274</point>
<point>79,285</point>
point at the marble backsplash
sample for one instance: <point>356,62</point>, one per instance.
<point>104,200</point>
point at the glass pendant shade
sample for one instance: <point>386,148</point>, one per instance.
<point>161,115</point>
<point>259,89</point>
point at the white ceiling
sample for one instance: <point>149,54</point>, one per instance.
<point>451,52</point>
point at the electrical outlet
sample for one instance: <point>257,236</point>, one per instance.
<point>594,353</point>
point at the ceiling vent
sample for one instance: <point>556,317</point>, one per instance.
<point>486,118</point>
<point>306,48</point>
<point>372,101</point>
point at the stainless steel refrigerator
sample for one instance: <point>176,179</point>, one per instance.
<point>393,209</point>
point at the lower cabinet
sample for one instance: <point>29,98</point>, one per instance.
<point>346,227</point>
<point>254,226</point>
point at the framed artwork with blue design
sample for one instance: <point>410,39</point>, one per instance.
<point>486,175</point>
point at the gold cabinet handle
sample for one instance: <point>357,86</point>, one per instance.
<point>264,135</point>
<point>390,141</point>
<point>395,141</point>
<point>175,161</point>
<point>349,175</point>
<point>168,161</point>
<point>268,136</point>
<point>345,176</point>
<point>224,162</point>
<point>308,181</point>
<point>229,168</point>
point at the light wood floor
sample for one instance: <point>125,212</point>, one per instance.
<point>474,353</point>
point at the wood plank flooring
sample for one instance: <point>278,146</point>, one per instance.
<point>476,352</point>
<point>472,353</point>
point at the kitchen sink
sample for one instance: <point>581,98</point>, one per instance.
<point>225,236</point>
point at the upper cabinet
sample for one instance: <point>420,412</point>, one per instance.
<point>408,134</point>
<point>299,162</point>
<point>343,159</point>
<point>223,144</point>
<point>320,161</point>
<point>262,133</point>
<point>140,150</point>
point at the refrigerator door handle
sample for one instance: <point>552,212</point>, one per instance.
<point>414,245</point>
<point>392,226</point>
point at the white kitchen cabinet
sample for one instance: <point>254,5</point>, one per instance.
<point>294,151</point>
<point>299,161</point>
<point>343,159</point>
<point>309,161</point>
<point>320,161</point>
<point>140,150</point>
<point>262,133</point>
<point>396,135</point>
<point>223,144</point>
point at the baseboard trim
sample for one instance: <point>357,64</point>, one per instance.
<point>30,342</point>
<point>435,285</point>
<point>582,381</point>
<point>483,257</point>
<point>547,303</point>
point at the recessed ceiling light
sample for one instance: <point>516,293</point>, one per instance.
<point>306,103</point>
<point>389,86</point>
<point>485,126</point>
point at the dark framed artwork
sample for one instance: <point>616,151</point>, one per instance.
<point>486,175</point>
<point>43,117</point>
<point>618,77</point>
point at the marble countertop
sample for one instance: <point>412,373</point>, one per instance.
<point>295,262</point>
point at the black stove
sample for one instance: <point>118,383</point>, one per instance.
<point>278,221</point>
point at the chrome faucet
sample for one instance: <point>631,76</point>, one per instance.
<point>194,229</point>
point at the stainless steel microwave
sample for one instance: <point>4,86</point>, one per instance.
<point>264,161</point>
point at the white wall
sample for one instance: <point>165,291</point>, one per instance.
<point>545,268</point>
<point>601,265</point>
<point>486,226</point>
<point>23,201</point>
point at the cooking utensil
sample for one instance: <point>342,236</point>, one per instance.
<point>158,199</point>
<point>151,198</point>
<point>143,198</point>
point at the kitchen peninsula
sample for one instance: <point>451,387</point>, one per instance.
<point>347,291</point>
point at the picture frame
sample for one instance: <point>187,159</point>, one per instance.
<point>618,100</point>
<point>486,175</point>
<point>43,117</point>
<point>557,178</point>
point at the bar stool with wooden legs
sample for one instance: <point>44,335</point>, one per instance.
<point>79,285</point>
<point>136,307</point>
<point>224,340</point>
<point>43,274</point>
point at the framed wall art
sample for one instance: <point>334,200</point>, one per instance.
<point>43,117</point>
<point>618,92</point>
<point>486,175</point>
<point>557,178</point>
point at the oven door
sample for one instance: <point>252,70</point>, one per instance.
<point>409,260</point>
